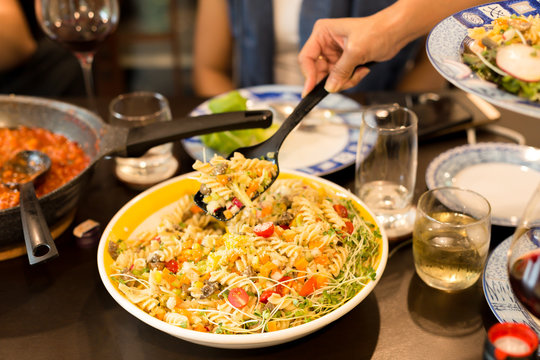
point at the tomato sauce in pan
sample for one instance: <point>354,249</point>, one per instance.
<point>67,159</point>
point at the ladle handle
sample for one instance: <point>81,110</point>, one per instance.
<point>142,138</point>
<point>37,236</point>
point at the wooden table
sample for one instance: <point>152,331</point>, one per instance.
<point>61,310</point>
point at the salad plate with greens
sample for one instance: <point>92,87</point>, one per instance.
<point>324,142</point>
<point>493,51</point>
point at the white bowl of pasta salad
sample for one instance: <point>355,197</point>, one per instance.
<point>303,255</point>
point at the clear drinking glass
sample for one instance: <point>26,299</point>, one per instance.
<point>80,26</point>
<point>139,109</point>
<point>451,237</point>
<point>524,257</point>
<point>386,173</point>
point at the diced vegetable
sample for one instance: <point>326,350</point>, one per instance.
<point>266,294</point>
<point>314,283</point>
<point>282,286</point>
<point>322,260</point>
<point>195,209</point>
<point>266,268</point>
<point>265,211</point>
<point>222,179</point>
<point>301,263</point>
<point>172,266</point>
<point>349,227</point>
<point>309,286</point>
<point>237,203</point>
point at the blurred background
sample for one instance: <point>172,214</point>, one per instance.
<point>151,49</point>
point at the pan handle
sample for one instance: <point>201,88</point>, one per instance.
<point>142,138</point>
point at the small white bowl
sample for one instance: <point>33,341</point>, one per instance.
<point>145,209</point>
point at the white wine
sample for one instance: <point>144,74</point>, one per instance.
<point>450,256</point>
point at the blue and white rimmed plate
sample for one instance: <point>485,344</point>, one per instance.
<point>498,292</point>
<point>322,151</point>
<point>445,45</point>
<point>505,174</point>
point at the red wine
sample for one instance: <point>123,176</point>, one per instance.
<point>525,281</point>
<point>81,35</point>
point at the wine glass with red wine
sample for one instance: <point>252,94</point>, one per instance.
<point>524,257</point>
<point>81,26</point>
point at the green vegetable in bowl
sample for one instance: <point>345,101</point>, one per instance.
<point>225,142</point>
<point>231,101</point>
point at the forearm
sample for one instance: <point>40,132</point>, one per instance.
<point>411,19</point>
<point>208,83</point>
<point>212,49</point>
<point>337,46</point>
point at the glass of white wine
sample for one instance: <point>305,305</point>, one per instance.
<point>451,237</point>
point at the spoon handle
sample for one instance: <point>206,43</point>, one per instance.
<point>37,236</point>
<point>300,111</point>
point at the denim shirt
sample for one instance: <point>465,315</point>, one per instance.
<point>253,31</point>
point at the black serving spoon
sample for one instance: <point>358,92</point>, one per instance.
<point>20,172</point>
<point>269,149</point>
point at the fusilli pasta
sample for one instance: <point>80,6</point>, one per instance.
<point>289,259</point>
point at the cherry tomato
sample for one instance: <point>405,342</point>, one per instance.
<point>238,297</point>
<point>349,227</point>
<point>266,294</point>
<point>341,210</point>
<point>265,229</point>
<point>281,287</point>
<point>172,266</point>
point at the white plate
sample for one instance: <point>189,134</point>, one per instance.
<point>505,174</point>
<point>327,149</point>
<point>498,292</point>
<point>444,48</point>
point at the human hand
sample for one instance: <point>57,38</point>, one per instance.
<point>338,47</point>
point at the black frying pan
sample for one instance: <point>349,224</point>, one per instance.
<point>99,139</point>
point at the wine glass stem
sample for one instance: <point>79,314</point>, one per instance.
<point>86,60</point>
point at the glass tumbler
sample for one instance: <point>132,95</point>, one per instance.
<point>157,164</point>
<point>451,237</point>
<point>386,163</point>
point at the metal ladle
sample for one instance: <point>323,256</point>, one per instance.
<point>20,172</point>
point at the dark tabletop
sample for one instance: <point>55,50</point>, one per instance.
<point>61,310</point>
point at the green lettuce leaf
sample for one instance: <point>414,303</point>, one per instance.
<point>225,142</point>
<point>231,101</point>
